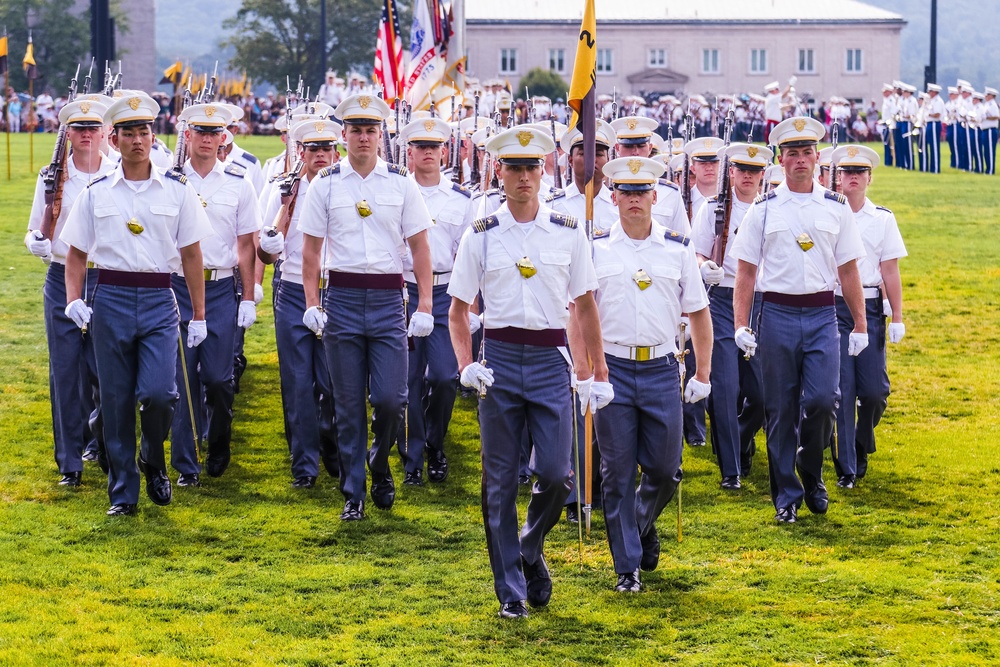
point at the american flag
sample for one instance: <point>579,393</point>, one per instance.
<point>389,54</point>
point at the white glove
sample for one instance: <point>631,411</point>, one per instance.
<point>696,391</point>
<point>79,312</point>
<point>746,341</point>
<point>686,321</point>
<point>896,332</point>
<point>38,245</point>
<point>792,79</point>
<point>315,319</point>
<point>583,388</point>
<point>857,343</point>
<point>247,314</point>
<point>197,332</point>
<point>258,293</point>
<point>886,308</point>
<point>711,273</point>
<point>601,393</point>
<point>475,323</point>
<point>421,324</point>
<point>477,376</point>
<point>272,245</point>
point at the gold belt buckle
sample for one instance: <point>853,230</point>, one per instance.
<point>323,280</point>
<point>91,265</point>
<point>210,274</point>
<point>642,353</point>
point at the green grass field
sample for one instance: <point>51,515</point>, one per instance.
<point>248,571</point>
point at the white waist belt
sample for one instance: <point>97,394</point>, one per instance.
<point>638,352</point>
<point>218,274</point>
<point>296,278</point>
<point>437,278</point>
<point>868,292</point>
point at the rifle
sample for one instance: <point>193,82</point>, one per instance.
<point>556,169</point>
<point>724,200</point>
<point>209,92</point>
<point>55,174</point>
<point>180,147</point>
<point>834,136</point>
<point>456,166</point>
<point>286,162</point>
<point>474,172</point>
<point>669,142</point>
<point>87,81</point>
<point>686,176</point>
<point>289,190</point>
<point>386,143</point>
<point>395,150</point>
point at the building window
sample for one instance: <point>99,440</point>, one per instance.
<point>854,61</point>
<point>508,61</point>
<point>807,62</point>
<point>657,57</point>
<point>710,61</point>
<point>604,61</point>
<point>557,60</point>
<point>758,61</point>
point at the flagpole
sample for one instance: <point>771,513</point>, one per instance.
<point>6,114</point>
<point>32,121</point>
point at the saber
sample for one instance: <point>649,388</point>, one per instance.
<point>187,392</point>
<point>576,455</point>
<point>680,355</point>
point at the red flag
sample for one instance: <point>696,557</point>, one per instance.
<point>389,54</point>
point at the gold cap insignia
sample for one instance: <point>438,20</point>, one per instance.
<point>319,126</point>
<point>364,101</point>
<point>525,137</point>
<point>209,111</point>
<point>800,124</point>
<point>429,125</point>
<point>752,151</point>
<point>634,166</point>
<point>85,107</point>
<point>852,151</point>
<point>708,142</point>
<point>631,122</point>
<point>133,103</point>
<point>117,94</point>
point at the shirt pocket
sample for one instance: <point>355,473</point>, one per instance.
<point>665,272</point>
<point>827,230</point>
<point>388,208</point>
<point>109,224</point>
<point>609,282</point>
<point>778,242</point>
<point>501,275</point>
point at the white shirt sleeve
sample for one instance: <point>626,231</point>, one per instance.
<point>415,217</point>
<point>465,276</point>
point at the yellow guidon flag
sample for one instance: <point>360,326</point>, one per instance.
<point>583,88</point>
<point>173,73</point>
<point>30,69</point>
<point>3,55</point>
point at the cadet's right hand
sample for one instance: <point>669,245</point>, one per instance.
<point>583,388</point>
<point>711,273</point>
<point>38,245</point>
<point>475,322</point>
<point>258,293</point>
<point>79,312</point>
<point>746,341</point>
<point>477,376</point>
<point>315,319</point>
<point>886,308</point>
<point>272,245</point>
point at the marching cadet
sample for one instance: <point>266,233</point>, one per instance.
<point>529,262</point>
<point>138,225</point>
<point>647,277</point>
<point>432,369</point>
<point>230,203</point>
<point>934,114</point>
<point>864,382</point>
<point>72,370</point>
<point>888,126</point>
<point>990,119</point>
<point>907,113</point>
<point>736,404</point>
<point>951,124</point>
<point>306,386</point>
<point>963,106</point>
<point>823,165</point>
<point>365,209</point>
<point>799,238</point>
<point>240,156</point>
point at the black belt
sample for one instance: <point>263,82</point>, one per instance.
<point>539,337</point>
<point>133,279</point>
<point>814,300</point>
<point>366,280</point>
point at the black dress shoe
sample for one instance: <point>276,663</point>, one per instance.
<point>524,480</point>
<point>90,456</point>
<point>696,443</point>
<point>157,484</point>
<point>437,466</point>
<point>71,479</point>
<point>189,479</point>
<point>816,497</point>
<point>353,511</point>
<point>218,459</point>
<point>650,550</point>
<point>513,610</point>
<point>628,583</point>
<point>383,490</point>
<point>539,582</point>
<point>731,483</point>
<point>572,515</point>
<point>414,478</point>
<point>122,510</point>
<point>846,481</point>
<point>786,514</point>
<point>305,482</point>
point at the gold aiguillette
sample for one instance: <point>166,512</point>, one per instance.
<point>642,279</point>
<point>526,268</point>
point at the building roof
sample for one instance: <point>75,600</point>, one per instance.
<point>680,11</point>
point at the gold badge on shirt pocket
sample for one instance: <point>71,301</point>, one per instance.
<point>364,210</point>
<point>134,226</point>
<point>642,279</point>
<point>805,242</point>
<point>526,268</point>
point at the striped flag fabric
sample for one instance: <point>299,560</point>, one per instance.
<point>583,89</point>
<point>389,54</point>
<point>426,65</point>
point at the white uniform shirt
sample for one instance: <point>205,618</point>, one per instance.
<point>560,254</point>
<point>882,241</point>
<point>889,109</point>
<point>669,208</point>
<point>76,182</point>
<point>451,211</point>
<point>934,109</point>
<point>291,256</point>
<point>168,210</point>
<point>249,162</point>
<point>990,114</point>
<point>772,107</point>
<point>703,235</point>
<point>908,108</point>
<point>356,244</point>
<point>573,202</point>
<point>231,205</point>
<point>630,316</point>
<point>783,266</point>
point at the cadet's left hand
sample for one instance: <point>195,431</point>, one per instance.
<point>711,273</point>
<point>601,393</point>
<point>886,308</point>
<point>421,324</point>
<point>475,323</point>
<point>197,332</point>
<point>696,391</point>
<point>857,343</point>
<point>247,314</point>
<point>896,332</point>
<point>583,388</point>
<point>258,293</point>
<point>38,245</point>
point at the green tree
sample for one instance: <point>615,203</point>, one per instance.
<point>538,81</point>
<point>61,39</point>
